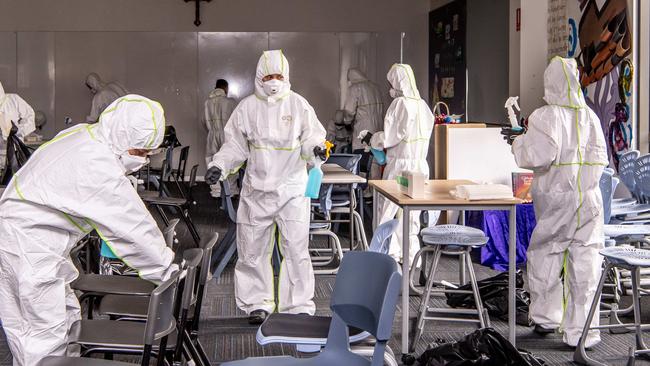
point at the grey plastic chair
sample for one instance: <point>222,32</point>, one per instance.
<point>626,170</point>
<point>324,264</point>
<point>228,245</point>
<point>452,240</point>
<point>623,257</point>
<point>309,333</point>
<point>365,296</point>
<point>160,325</point>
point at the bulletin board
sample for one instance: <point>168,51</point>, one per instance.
<point>447,56</point>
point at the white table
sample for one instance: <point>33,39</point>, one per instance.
<point>437,197</point>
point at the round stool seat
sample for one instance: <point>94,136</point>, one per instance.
<point>627,255</point>
<point>458,235</point>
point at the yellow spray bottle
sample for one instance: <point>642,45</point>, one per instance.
<point>316,174</point>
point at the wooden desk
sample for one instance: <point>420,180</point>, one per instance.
<point>437,197</point>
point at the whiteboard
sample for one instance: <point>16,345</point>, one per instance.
<point>480,155</point>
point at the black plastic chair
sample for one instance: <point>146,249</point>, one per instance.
<point>179,172</point>
<point>135,307</point>
<point>125,337</point>
<point>159,326</point>
<point>182,204</point>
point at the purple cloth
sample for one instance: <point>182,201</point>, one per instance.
<point>495,225</point>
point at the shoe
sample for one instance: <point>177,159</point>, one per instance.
<point>257,317</point>
<point>543,331</point>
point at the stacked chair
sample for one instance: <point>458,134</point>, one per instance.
<point>162,199</point>
<point>145,318</point>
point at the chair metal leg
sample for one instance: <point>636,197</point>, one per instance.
<point>420,253</point>
<point>462,277</point>
<point>580,355</point>
<point>190,226</point>
<point>475,290</point>
<point>424,300</point>
<point>640,345</point>
<point>162,351</point>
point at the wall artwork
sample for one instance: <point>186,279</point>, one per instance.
<point>598,35</point>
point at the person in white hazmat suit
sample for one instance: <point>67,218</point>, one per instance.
<point>218,109</point>
<point>339,133</point>
<point>104,94</point>
<point>14,109</point>
<point>406,133</point>
<point>565,147</point>
<point>277,131</point>
<point>364,108</point>
<point>71,185</point>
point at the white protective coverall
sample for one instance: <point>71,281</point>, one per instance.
<point>14,109</point>
<point>338,133</point>
<point>277,135</point>
<point>565,148</point>
<point>218,109</point>
<point>407,129</point>
<point>70,186</point>
<point>104,94</point>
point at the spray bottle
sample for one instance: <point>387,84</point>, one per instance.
<point>511,104</point>
<point>379,155</point>
<point>316,174</point>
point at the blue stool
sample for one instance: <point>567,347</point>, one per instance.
<point>619,257</point>
<point>450,240</point>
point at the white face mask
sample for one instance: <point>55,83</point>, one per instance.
<point>132,163</point>
<point>273,87</point>
<point>394,93</point>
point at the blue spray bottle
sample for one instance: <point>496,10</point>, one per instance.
<point>316,175</point>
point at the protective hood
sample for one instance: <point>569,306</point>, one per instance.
<point>132,122</point>
<point>339,115</point>
<point>561,83</point>
<point>401,78</point>
<point>2,92</point>
<point>217,93</point>
<point>272,62</point>
<point>94,82</point>
<point>356,76</point>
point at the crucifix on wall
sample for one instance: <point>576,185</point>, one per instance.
<point>197,4</point>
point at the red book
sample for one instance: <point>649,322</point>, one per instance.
<point>521,183</point>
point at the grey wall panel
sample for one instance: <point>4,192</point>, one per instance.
<point>36,75</point>
<point>314,68</point>
<point>388,52</point>
<point>77,55</point>
<point>230,56</point>
<point>162,66</point>
<point>357,50</point>
<point>8,61</point>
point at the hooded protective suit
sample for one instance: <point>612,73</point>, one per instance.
<point>407,129</point>
<point>218,109</point>
<point>104,94</point>
<point>276,134</point>
<point>565,148</point>
<point>338,133</point>
<point>71,185</point>
<point>363,105</point>
<point>13,109</point>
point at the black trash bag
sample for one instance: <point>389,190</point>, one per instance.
<point>484,347</point>
<point>494,293</point>
<point>17,155</point>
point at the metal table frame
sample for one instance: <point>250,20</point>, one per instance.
<point>512,254</point>
<point>328,170</point>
